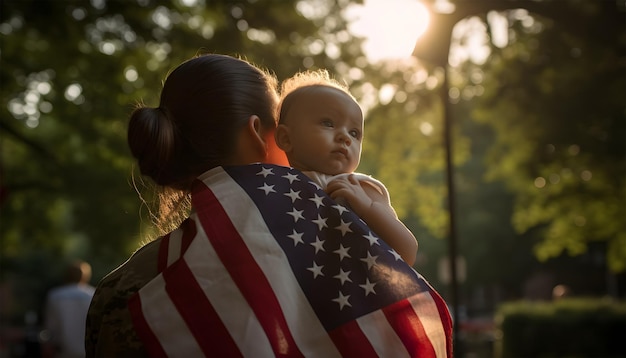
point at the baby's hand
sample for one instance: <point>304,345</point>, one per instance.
<point>350,189</point>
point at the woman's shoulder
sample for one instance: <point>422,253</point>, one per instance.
<point>114,290</point>
<point>109,326</point>
<point>140,268</point>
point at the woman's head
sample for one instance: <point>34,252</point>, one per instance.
<point>205,103</point>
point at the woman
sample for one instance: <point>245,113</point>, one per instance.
<point>258,266</point>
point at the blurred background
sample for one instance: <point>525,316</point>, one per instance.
<point>499,128</point>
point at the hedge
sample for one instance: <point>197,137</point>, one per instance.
<point>569,327</point>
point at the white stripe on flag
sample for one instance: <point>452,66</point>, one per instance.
<point>174,246</point>
<point>225,297</point>
<point>382,336</point>
<point>425,307</point>
<point>175,337</point>
<point>305,327</point>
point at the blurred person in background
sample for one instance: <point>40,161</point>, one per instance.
<point>66,313</point>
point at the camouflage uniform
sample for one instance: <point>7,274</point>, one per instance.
<point>110,331</point>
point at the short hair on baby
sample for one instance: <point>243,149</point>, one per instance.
<point>300,83</point>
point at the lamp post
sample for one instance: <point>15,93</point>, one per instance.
<point>434,46</point>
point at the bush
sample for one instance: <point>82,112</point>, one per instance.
<point>564,328</point>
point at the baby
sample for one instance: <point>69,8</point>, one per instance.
<point>320,128</point>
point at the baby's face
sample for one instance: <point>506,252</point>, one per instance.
<point>325,127</point>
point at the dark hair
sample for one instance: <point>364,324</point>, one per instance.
<point>204,101</point>
<point>78,272</point>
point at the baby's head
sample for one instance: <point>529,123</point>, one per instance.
<point>320,124</point>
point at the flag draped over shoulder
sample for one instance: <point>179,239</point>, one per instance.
<point>268,265</point>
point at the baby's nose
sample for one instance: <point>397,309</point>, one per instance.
<point>344,136</point>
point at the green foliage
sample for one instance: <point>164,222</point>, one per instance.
<point>403,147</point>
<point>560,126</point>
<point>71,87</point>
<point>564,328</point>
<point>67,176</point>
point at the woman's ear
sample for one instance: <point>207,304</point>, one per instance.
<point>257,144</point>
<point>250,146</point>
<point>255,134</point>
<point>283,140</point>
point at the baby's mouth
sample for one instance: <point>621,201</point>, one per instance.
<point>341,151</point>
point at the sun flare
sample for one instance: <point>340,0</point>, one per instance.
<point>390,27</point>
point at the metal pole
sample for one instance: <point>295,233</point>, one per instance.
<point>452,249</point>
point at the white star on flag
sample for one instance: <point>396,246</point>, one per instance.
<point>267,188</point>
<point>321,222</point>
<point>342,300</point>
<point>342,209</point>
<point>342,252</point>
<point>293,195</point>
<point>344,227</point>
<point>318,200</point>
<point>370,260</point>
<point>372,239</point>
<point>317,270</point>
<point>343,276</point>
<point>318,244</point>
<point>368,286</point>
<point>291,177</point>
<point>297,214</point>
<point>265,172</point>
<point>296,237</point>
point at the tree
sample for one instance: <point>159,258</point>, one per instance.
<point>554,97</point>
<point>561,148</point>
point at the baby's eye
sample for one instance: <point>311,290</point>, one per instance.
<point>355,133</point>
<point>327,123</point>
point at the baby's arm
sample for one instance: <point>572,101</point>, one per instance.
<point>376,210</point>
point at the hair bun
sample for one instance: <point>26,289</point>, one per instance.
<point>151,138</point>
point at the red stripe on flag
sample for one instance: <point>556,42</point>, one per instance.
<point>142,328</point>
<point>446,321</point>
<point>351,342</point>
<point>244,270</point>
<point>409,329</point>
<point>197,311</point>
<point>163,251</point>
<point>189,232</point>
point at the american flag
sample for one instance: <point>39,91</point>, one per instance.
<point>268,265</point>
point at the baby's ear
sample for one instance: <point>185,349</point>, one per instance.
<point>281,135</point>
